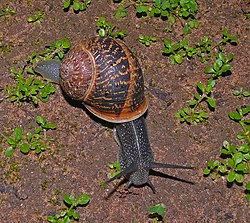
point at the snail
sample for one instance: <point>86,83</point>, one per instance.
<point>106,77</point>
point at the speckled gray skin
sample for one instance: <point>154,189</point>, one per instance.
<point>135,156</point>
<point>50,70</point>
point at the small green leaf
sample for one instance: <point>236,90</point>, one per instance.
<point>9,152</point>
<point>211,102</point>
<point>201,87</point>
<point>66,4</point>
<point>25,148</point>
<point>225,68</point>
<point>69,199</point>
<point>11,141</point>
<point>178,58</point>
<point>206,171</point>
<point>209,70</point>
<point>239,178</point>
<point>231,176</point>
<point>235,116</point>
<point>18,132</point>
<point>83,199</point>
<point>158,208</point>
<point>248,185</point>
<point>237,157</point>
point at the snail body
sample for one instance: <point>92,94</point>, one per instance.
<point>135,156</point>
<point>104,75</point>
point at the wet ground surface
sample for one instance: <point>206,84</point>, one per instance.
<point>77,160</point>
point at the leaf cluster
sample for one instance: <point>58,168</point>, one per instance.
<point>146,40</point>
<point>35,140</point>
<point>202,50</point>
<point>37,17</point>
<point>157,212</point>
<point>69,213</point>
<point>115,169</point>
<point>28,89</point>
<point>81,5</point>
<point>235,162</point>
<point>106,28</point>
<point>177,51</point>
<point>241,93</point>
<point>32,89</point>
<point>192,114</point>
<point>240,116</point>
<point>6,11</point>
<point>171,10</point>
<point>195,112</point>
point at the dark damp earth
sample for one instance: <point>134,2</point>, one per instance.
<point>32,186</point>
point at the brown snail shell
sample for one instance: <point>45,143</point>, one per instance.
<point>104,74</point>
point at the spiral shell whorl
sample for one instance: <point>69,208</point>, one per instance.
<point>76,73</point>
<point>116,89</point>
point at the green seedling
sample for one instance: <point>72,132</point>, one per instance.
<point>178,51</point>
<point>107,29</point>
<point>32,89</point>
<point>182,11</point>
<point>241,93</point>
<point>196,112</point>
<point>115,169</point>
<point>121,12</point>
<point>193,115</point>
<point>36,140</point>
<point>221,66</point>
<point>81,5</point>
<point>235,160</point>
<point>6,12</point>
<point>146,39</point>
<point>69,211</point>
<point>240,116</point>
<point>202,50</point>
<point>227,37</point>
<point>37,17</point>
<point>14,141</point>
<point>28,89</point>
<point>157,212</point>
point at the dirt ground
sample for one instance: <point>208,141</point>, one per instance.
<point>78,158</point>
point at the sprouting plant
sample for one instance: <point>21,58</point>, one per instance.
<point>203,49</point>
<point>31,88</point>
<point>146,39</point>
<point>241,93</point>
<point>28,89</point>
<point>235,160</point>
<point>115,169</point>
<point>80,5</point>
<point>179,50</point>
<point>221,66</point>
<point>6,12</point>
<point>240,116</point>
<point>195,112</point>
<point>14,141</point>
<point>69,211</point>
<point>121,12</point>
<point>192,114</point>
<point>173,10</point>
<point>157,212</point>
<point>107,29</point>
<point>36,140</point>
<point>37,17</point>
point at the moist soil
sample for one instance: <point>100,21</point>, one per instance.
<point>32,186</point>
